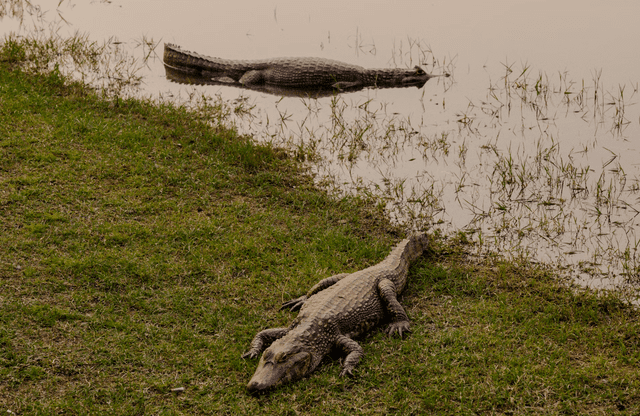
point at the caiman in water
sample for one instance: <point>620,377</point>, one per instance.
<point>285,76</point>
<point>332,313</point>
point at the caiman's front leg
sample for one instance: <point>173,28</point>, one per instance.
<point>252,77</point>
<point>400,321</point>
<point>354,353</point>
<point>297,303</point>
<point>264,337</point>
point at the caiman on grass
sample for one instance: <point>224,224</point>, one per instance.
<point>332,313</point>
<point>285,76</point>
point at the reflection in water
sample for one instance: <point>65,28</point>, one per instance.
<point>289,77</point>
<point>180,76</point>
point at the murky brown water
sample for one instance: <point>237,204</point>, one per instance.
<point>531,147</point>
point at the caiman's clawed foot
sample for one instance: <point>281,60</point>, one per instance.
<point>251,354</point>
<point>294,304</point>
<point>398,328</point>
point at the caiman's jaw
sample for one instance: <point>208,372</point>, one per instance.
<point>417,77</point>
<point>277,366</point>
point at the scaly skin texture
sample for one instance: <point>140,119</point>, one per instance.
<point>288,72</point>
<point>334,311</point>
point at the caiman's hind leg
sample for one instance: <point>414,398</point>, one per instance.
<point>253,77</point>
<point>297,303</point>
<point>263,339</point>
<point>400,321</point>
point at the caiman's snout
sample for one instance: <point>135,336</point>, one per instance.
<point>279,369</point>
<point>255,386</point>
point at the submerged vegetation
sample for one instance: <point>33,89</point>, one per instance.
<point>143,243</point>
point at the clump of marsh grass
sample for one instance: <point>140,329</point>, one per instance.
<point>549,190</point>
<point>107,66</point>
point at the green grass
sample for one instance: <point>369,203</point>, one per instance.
<point>141,249</point>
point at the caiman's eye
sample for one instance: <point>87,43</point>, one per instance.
<point>281,357</point>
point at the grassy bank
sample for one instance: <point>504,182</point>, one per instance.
<point>141,249</point>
